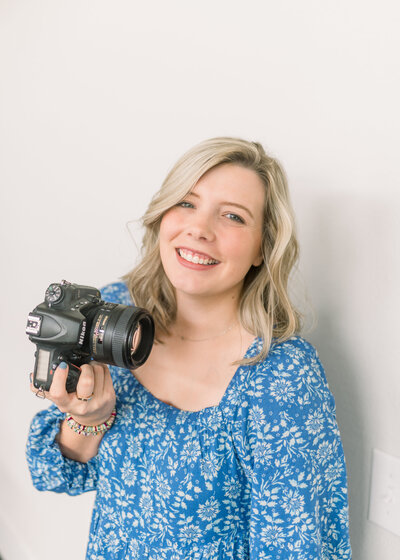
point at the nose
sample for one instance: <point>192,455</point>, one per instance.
<point>200,227</point>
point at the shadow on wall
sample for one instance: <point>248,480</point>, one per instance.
<point>348,247</point>
<point>343,379</point>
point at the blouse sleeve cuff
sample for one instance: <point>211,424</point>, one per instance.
<point>49,469</point>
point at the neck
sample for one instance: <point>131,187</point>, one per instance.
<point>198,318</point>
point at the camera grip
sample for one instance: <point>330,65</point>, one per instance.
<point>74,373</point>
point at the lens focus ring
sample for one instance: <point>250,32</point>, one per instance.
<point>119,337</point>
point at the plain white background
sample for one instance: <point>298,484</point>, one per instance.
<point>97,101</point>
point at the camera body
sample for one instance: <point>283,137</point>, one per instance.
<point>73,324</point>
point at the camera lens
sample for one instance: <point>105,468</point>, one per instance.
<point>121,335</point>
<point>137,335</point>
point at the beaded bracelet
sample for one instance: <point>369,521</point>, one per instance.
<point>91,430</point>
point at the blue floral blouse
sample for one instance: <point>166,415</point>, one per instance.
<point>260,476</point>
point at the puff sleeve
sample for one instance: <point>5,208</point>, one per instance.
<point>49,469</point>
<point>290,449</point>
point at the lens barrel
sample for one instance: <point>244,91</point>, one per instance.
<point>112,333</point>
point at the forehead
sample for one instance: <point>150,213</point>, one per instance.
<point>232,180</point>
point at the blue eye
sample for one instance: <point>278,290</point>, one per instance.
<point>235,218</point>
<point>185,204</point>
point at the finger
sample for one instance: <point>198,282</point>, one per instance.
<point>85,386</point>
<point>58,392</point>
<point>108,383</point>
<point>99,373</point>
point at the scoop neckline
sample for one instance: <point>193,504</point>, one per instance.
<point>207,408</point>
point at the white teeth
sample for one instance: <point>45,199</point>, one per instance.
<point>190,257</point>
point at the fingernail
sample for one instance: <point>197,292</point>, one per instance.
<point>30,377</point>
<point>63,365</point>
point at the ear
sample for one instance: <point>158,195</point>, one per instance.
<point>258,260</point>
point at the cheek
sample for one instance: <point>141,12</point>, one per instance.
<point>163,241</point>
<point>246,249</point>
<point>166,230</point>
<point>163,236</point>
<point>169,224</point>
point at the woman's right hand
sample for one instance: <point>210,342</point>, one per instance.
<point>94,384</point>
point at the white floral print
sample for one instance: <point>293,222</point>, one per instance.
<point>261,476</point>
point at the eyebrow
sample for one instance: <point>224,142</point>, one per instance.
<point>227,203</point>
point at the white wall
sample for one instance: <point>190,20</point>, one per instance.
<point>98,99</point>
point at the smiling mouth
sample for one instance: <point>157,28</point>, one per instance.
<point>196,258</point>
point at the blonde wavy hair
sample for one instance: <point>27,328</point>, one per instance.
<point>265,308</point>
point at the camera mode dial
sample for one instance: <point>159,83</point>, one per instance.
<point>54,294</point>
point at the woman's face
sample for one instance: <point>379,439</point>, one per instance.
<point>209,241</point>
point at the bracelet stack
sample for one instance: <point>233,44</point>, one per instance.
<point>91,430</point>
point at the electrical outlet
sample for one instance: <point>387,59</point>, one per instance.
<point>384,504</point>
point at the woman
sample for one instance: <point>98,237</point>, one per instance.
<point>225,442</point>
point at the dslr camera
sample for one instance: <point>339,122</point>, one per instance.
<point>75,325</point>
